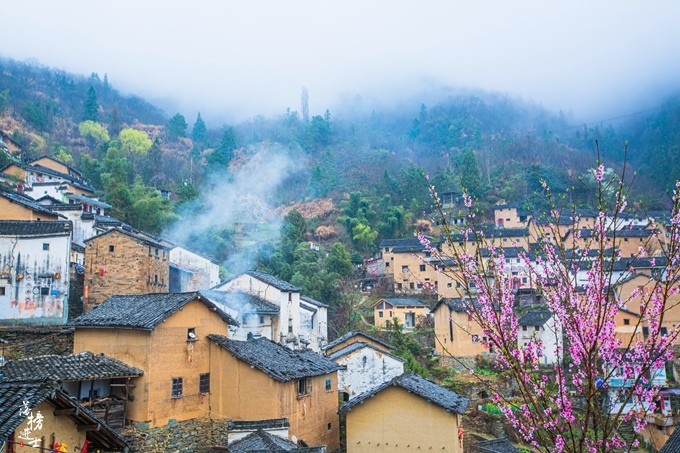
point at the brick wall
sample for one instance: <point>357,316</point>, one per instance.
<point>116,263</point>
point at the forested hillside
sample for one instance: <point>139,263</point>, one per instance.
<point>367,165</point>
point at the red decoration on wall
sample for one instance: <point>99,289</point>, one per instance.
<point>101,272</point>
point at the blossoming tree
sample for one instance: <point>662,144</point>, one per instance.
<point>571,406</point>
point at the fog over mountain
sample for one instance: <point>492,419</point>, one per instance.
<point>234,60</point>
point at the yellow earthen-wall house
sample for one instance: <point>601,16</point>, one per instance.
<point>408,311</point>
<point>12,146</point>
<point>510,216</point>
<point>39,415</point>
<point>407,413</point>
<point>119,261</point>
<point>456,333</point>
<point>164,335</point>
<point>259,379</point>
<point>56,165</point>
<point>355,337</point>
<point>14,206</point>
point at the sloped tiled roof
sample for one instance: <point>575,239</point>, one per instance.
<point>13,394</point>
<point>403,302</point>
<point>277,361</point>
<point>535,318</point>
<point>72,367</point>
<point>672,445</point>
<point>349,335</point>
<point>142,311</point>
<point>252,425</point>
<point>508,252</point>
<point>314,302</point>
<point>70,168</point>
<point>494,446</point>
<point>261,440</point>
<point>27,202</point>
<point>426,389</point>
<point>142,238</point>
<point>273,281</point>
<point>357,346</point>
<point>34,227</point>
<point>241,302</point>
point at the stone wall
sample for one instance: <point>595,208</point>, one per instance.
<point>188,436</point>
<point>116,263</point>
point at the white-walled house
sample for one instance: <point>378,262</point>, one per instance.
<point>257,317</point>
<point>364,367</point>
<point>313,322</point>
<point>543,326</point>
<point>190,271</point>
<point>278,292</point>
<point>34,271</point>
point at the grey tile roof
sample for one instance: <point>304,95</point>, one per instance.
<point>261,440</point>
<point>357,346</point>
<point>142,238</point>
<point>494,446</point>
<point>70,168</point>
<point>27,202</point>
<point>273,281</point>
<point>535,318</point>
<point>508,252</point>
<point>72,367</point>
<point>349,335</point>
<point>404,302</point>
<point>314,302</point>
<point>13,395</point>
<point>82,184</point>
<point>426,389</point>
<point>241,302</point>
<point>672,445</point>
<point>250,425</point>
<point>141,311</point>
<point>34,227</point>
<point>277,361</point>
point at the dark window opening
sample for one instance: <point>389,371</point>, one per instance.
<point>191,334</point>
<point>305,386</point>
<point>626,322</point>
<point>2,291</point>
<point>44,291</point>
<point>204,383</point>
<point>46,246</point>
<point>328,385</point>
<point>112,248</point>
<point>177,387</point>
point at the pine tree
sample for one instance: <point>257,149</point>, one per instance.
<point>199,134</point>
<point>91,106</point>
<point>177,126</point>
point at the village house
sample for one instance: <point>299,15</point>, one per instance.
<point>41,415</point>
<point>101,382</point>
<point>15,206</point>
<point>355,337</point>
<point>410,265</point>
<point>165,336</point>
<point>405,311</point>
<point>289,329</point>
<point>511,216</point>
<point>456,333</point>
<point>191,271</point>
<point>256,317</point>
<point>34,271</point>
<point>260,379</point>
<point>363,367</point>
<point>406,413</point>
<point>119,261</point>
<point>36,180</point>
<point>9,144</point>
<point>541,325</point>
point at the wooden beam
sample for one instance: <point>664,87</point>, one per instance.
<point>67,411</point>
<point>95,427</point>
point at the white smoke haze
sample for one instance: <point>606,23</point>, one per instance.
<point>242,198</point>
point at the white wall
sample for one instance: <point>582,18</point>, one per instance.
<point>366,368</point>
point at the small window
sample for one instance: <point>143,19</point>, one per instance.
<point>399,286</point>
<point>411,285</point>
<point>44,291</point>
<point>2,291</point>
<point>290,297</point>
<point>305,386</point>
<point>328,385</point>
<point>626,322</point>
<point>46,246</point>
<point>112,248</point>
<point>261,319</point>
<point>524,328</point>
<point>664,331</point>
<point>449,285</point>
<point>156,252</point>
<point>204,383</point>
<point>155,279</point>
<point>191,334</point>
<point>422,268</point>
<point>387,264</point>
<point>645,332</point>
<point>404,268</point>
<point>380,314</point>
<point>330,426</point>
<point>177,387</point>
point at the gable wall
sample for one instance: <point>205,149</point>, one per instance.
<point>396,420</point>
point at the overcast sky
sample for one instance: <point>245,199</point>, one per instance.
<point>235,59</point>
